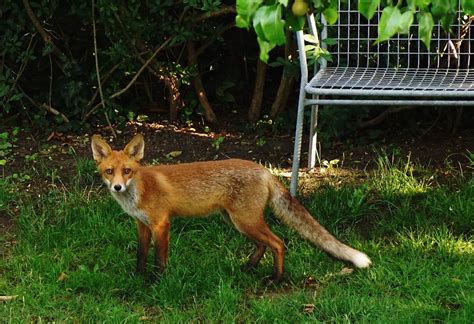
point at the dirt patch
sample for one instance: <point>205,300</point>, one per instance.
<point>168,143</point>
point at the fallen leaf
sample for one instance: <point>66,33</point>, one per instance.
<point>8,298</point>
<point>308,308</point>
<point>310,282</point>
<point>173,154</point>
<point>345,271</point>
<point>62,277</point>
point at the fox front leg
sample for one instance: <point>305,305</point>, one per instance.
<point>161,235</point>
<point>144,238</point>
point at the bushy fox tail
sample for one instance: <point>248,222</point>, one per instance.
<point>289,210</point>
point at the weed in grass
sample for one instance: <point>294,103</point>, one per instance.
<point>86,172</point>
<point>395,177</point>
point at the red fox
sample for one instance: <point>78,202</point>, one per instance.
<point>242,189</point>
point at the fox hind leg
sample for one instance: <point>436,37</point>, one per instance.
<point>255,257</point>
<point>257,230</point>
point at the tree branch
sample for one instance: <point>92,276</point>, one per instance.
<point>118,93</point>
<point>44,106</point>
<point>380,118</point>
<point>220,32</point>
<point>198,87</point>
<point>46,37</point>
<point>224,10</point>
<point>96,57</point>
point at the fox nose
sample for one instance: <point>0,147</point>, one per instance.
<point>117,187</point>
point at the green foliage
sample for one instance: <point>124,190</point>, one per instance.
<point>62,74</point>
<point>396,17</point>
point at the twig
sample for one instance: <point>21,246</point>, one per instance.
<point>103,80</point>
<point>44,106</point>
<point>96,56</point>
<point>50,79</point>
<point>380,118</point>
<point>20,71</point>
<point>120,92</point>
<point>220,32</point>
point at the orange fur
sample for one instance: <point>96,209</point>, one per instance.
<point>243,189</point>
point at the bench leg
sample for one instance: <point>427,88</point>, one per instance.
<point>298,139</point>
<point>313,154</point>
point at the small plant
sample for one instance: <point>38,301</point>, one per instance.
<point>6,144</point>
<point>85,171</point>
<point>31,158</point>
<point>216,143</point>
<point>330,164</point>
<point>470,157</point>
<point>20,177</point>
<point>358,197</point>
<point>261,141</point>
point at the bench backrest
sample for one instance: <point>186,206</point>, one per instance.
<point>352,40</point>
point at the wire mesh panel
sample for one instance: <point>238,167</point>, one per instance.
<point>400,66</point>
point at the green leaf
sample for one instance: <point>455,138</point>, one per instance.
<point>309,38</point>
<point>245,12</point>
<point>16,97</point>
<point>367,7</point>
<point>257,26</point>
<point>330,13</point>
<point>329,41</point>
<point>447,20</point>
<point>293,22</point>
<point>389,23</point>
<point>268,21</point>
<point>440,8</point>
<point>426,23</point>
<point>265,48</point>
<point>468,6</point>
<point>422,4</point>
<point>406,20</point>
<point>4,89</point>
<point>3,162</point>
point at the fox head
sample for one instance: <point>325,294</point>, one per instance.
<point>117,167</point>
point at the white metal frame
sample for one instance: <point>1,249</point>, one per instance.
<point>401,71</point>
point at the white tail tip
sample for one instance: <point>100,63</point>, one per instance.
<point>360,260</point>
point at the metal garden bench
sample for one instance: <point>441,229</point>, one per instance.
<point>398,72</point>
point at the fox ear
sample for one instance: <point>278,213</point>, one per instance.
<point>135,148</point>
<point>100,148</point>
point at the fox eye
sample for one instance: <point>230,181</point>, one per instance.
<point>127,170</point>
<point>109,171</point>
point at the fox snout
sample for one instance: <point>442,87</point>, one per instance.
<point>115,186</point>
<point>118,188</point>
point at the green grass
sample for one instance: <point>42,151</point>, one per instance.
<point>418,234</point>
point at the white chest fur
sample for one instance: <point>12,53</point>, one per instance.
<point>128,201</point>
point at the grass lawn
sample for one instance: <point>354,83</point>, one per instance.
<point>72,258</point>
